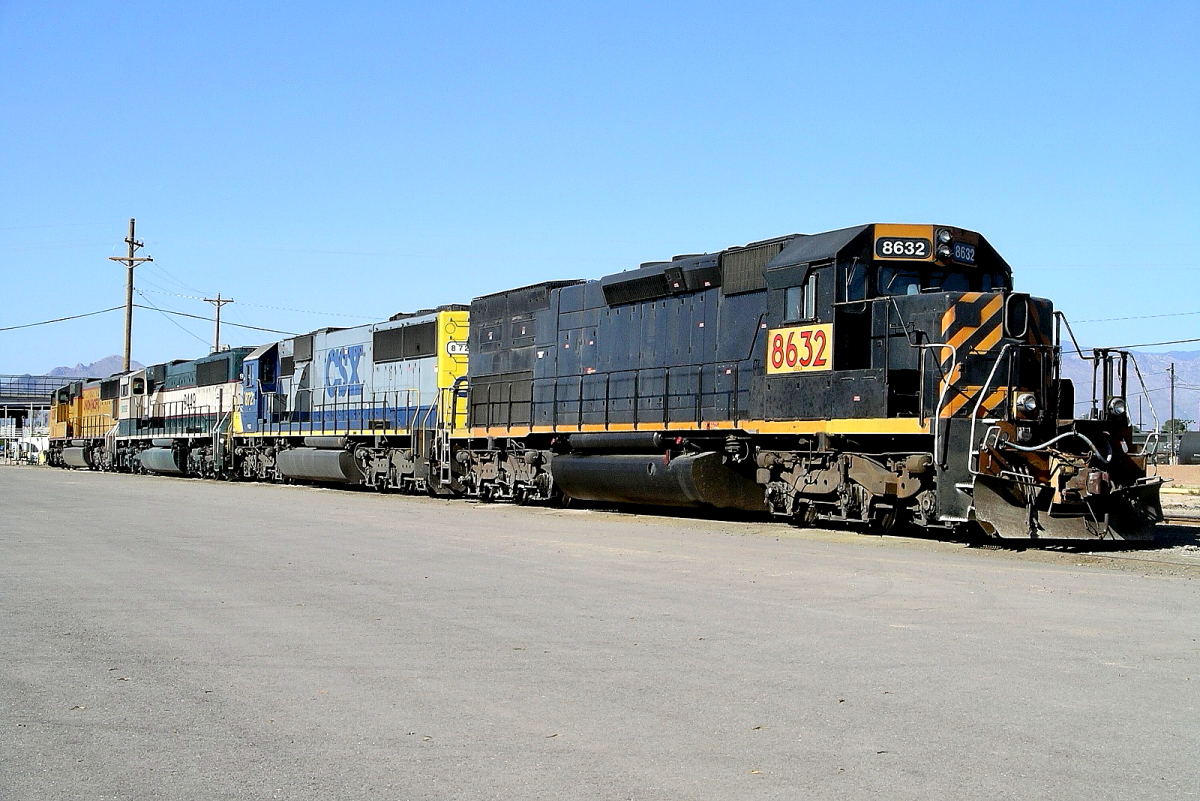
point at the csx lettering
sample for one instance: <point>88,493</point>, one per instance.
<point>341,371</point>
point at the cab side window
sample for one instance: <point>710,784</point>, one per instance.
<point>856,281</point>
<point>800,302</point>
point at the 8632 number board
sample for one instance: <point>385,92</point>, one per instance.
<point>800,349</point>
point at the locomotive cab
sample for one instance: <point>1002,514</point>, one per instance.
<point>851,320</point>
<point>260,386</point>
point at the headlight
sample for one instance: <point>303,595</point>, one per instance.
<point>1027,403</point>
<point>1116,407</point>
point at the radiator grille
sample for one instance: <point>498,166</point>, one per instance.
<point>210,373</point>
<point>742,270</point>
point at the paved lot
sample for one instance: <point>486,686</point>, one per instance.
<point>172,639</point>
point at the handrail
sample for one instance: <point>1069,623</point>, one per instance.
<point>454,390</point>
<point>945,386</point>
<point>1150,403</point>
<point>1063,319</point>
<point>978,403</point>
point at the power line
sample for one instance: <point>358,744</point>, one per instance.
<point>1154,344</point>
<point>1141,317</point>
<point>171,277</point>
<point>275,308</point>
<point>1101,266</point>
<point>208,319</point>
<point>140,306</point>
<point>61,319</point>
<point>1071,350</point>
<point>310,311</point>
<point>164,313</point>
<point>60,225</point>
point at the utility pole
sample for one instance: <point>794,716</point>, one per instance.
<point>1174,452</point>
<point>218,301</point>
<point>130,262</point>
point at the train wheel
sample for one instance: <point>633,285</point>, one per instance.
<point>884,520</point>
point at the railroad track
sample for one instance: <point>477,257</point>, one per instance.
<point>1181,520</point>
<point>1169,549</point>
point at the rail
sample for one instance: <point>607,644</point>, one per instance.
<point>382,411</point>
<point>177,418</point>
<point>1146,451</point>
<point>593,399</point>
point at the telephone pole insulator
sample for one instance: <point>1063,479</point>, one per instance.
<point>218,301</point>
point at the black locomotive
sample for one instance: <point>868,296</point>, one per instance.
<point>873,374</point>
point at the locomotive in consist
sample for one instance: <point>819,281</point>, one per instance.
<point>374,405</point>
<point>871,375</point>
<point>82,414</point>
<point>168,418</point>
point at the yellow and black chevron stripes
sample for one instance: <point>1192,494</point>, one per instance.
<point>963,399</point>
<point>975,319</point>
<point>972,326</point>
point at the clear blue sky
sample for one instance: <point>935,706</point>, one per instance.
<point>359,159</point>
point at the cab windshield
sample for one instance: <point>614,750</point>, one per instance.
<point>897,280</point>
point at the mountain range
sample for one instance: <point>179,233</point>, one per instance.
<point>1144,407</point>
<point>98,369</point>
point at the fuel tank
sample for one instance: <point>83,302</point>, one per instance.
<point>622,442</point>
<point>160,460</point>
<point>326,443</point>
<point>317,464</point>
<point>689,480</point>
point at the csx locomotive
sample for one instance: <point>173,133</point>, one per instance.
<point>871,375</point>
